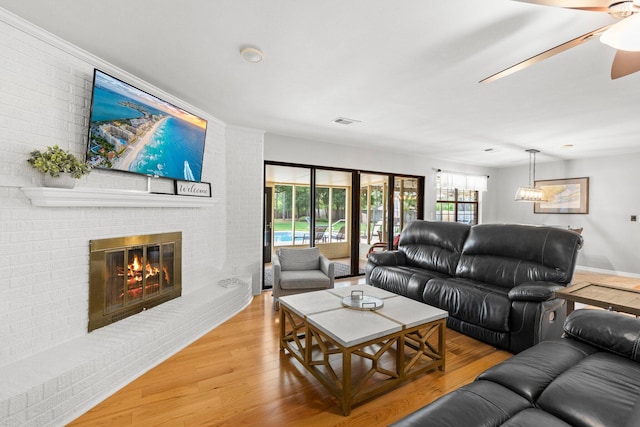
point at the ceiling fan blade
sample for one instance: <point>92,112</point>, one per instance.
<point>592,5</point>
<point>624,35</point>
<point>625,63</point>
<point>546,54</point>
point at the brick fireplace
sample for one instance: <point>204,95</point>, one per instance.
<point>133,273</point>
<point>51,369</point>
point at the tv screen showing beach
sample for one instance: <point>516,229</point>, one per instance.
<point>133,131</point>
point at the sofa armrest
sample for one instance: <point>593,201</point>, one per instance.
<point>276,269</point>
<point>388,258</point>
<point>534,291</point>
<point>606,330</point>
<point>328,268</point>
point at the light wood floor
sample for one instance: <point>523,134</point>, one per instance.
<point>236,375</point>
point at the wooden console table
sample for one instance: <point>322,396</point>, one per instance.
<point>613,298</point>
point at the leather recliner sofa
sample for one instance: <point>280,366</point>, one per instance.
<point>588,378</point>
<point>497,281</point>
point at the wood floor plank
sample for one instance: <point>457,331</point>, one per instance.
<point>236,375</point>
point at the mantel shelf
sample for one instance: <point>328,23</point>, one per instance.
<point>101,197</point>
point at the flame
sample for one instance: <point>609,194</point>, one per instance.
<point>151,273</point>
<point>166,275</point>
<point>136,264</point>
<point>134,274</point>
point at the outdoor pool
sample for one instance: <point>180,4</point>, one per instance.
<point>284,237</point>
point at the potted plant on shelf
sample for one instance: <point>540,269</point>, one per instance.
<point>60,168</point>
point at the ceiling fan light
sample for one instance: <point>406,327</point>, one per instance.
<point>622,9</point>
<point>625,35</point>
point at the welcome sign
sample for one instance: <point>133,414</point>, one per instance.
<point>190,188</point>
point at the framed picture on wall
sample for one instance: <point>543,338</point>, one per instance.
<point>564,196</point>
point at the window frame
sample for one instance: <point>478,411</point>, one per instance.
<point>457,202</point>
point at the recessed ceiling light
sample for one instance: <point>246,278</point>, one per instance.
<point>345,121</point>
<point>251,54</point>
<point>567,146</point>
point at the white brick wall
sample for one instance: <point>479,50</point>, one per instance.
<point>45,87</point>
<point>245,210</point>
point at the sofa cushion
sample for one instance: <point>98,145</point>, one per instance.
<point>434,246</point>
<point>471,301</point>
<point>510,254</point>
<point>634,416</point>
<point>601,390</point>
<point>304,279</point>
<point>534,418</point>
<point>479,404</point>
<point>531,371</point>
<point>402,280</point>
<point>617,334</point>
<point>299,259</point>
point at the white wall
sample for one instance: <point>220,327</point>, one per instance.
<point>45,87</point>
<point>612,241</point>
<point>318,153</point>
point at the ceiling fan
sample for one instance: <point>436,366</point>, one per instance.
<point>623,35</point>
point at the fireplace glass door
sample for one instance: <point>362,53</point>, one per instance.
<point>128,278</point>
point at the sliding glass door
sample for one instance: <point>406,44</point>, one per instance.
<point>332,215</point>
<point>311,208</point>
<point>406,191</point>
<point>289,217</point>
<point>342,212</point>
<point>384,214</point>
<point>374,211</point>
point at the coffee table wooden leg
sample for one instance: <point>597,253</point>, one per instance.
<point>282,329</point>
<point>442,339</point>
<point>346,382</point>
<point>570,307</point>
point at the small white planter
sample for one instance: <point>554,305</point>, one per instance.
<point>65,180</point>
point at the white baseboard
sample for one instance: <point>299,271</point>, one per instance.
<point>605,271</point>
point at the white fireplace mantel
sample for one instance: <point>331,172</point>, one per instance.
<point>102,197</point>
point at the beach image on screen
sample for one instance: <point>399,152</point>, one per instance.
<point>131,130</point>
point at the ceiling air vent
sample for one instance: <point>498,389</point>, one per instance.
<point>345,121</point>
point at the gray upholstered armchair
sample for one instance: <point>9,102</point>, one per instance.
<point>300,270</point>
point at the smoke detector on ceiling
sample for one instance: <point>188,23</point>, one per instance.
<point>252,54</point>
<point>345,121</point>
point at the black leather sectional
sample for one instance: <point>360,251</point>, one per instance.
<point>588,378</point>
<point>497,281</point>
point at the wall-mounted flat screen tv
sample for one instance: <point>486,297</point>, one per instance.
<point>133,131</point>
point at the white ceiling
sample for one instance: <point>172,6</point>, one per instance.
<point>408,70</point>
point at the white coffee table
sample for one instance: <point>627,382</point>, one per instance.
<point>359,354</point>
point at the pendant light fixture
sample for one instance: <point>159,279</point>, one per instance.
<point>530,193</point>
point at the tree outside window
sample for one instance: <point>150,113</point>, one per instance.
<point>453,205</point>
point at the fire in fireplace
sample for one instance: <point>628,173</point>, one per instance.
<point>130,274</point>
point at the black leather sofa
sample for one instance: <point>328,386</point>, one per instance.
<point>588,378</point>
<point>497,281</point>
